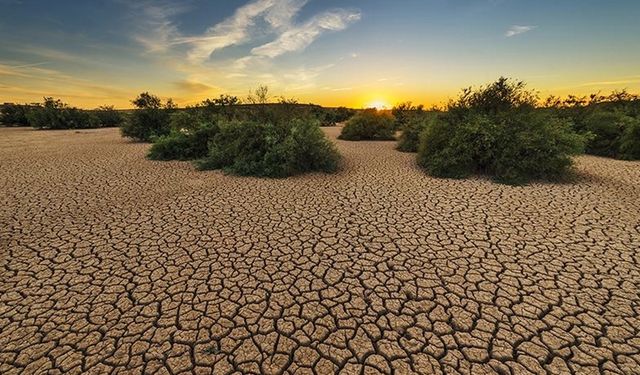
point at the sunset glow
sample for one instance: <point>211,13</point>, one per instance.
<point>354,53</point>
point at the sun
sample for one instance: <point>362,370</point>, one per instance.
<point>378,104</point>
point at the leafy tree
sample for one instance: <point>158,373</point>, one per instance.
<point>259,96</point>
<point>151,118</point>
<point>404,112</point>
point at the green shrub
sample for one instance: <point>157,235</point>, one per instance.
<point>151,119</point>
<point>108,117</point>
<point>404,113</point>
<point>54,114</point>
<point>188,140</point>
<point>497,131</point>
<point>252,148</point>
<point>513,149</point>
<point>630,141</point>
<point>410,137</point>
<point>14,114</point>
<point>369,125</point>
<point>607,130</point>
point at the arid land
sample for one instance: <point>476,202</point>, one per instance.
<point>111,263</point>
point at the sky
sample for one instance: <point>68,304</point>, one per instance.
<point>357,53</point>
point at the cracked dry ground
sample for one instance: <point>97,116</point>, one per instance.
<point>112,263</point>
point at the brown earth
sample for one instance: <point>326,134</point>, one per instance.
<point>114,263</point>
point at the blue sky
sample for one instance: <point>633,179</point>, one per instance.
<point>351,52</point>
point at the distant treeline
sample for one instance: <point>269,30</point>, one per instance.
<point>54,114</point>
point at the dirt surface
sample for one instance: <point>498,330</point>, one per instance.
<point>111,262</point>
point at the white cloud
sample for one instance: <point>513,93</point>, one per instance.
<point>236,29</point>
<point>517,30</point>
<point>158,31</point>
<point>256,18</point>
<point>299,37</point>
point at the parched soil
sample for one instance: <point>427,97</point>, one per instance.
<point>111,263</point>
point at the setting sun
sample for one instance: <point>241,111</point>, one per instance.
<point>378,104</point>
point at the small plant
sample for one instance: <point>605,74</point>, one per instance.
<point>151,118</point>
<point>369,125</point>
<point>251,148</point>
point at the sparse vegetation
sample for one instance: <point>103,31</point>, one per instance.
<point>496,131</point>
<point>251,148</point>
<point>404,113</point>
<point>609,121</point>
<point>108,116</point>
<point>14,114</point>
<point>410,138</point>
<point>54,114</point>
<point>369,125</point>
<point>151,119</point>
<point>188,139</point>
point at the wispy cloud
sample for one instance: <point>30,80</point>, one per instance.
<point>157,29</point>
<point>257,18</point>
<point>237,29</point>
<point>299,37</point>
<point>633,79</point>
<point>517,30</point>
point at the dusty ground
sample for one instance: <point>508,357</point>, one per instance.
<point>110,262</point>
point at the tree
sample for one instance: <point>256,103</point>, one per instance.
<point>259,95</point>
<point>147,101</point>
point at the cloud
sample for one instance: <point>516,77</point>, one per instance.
<point>299,37</point>
<point>277,14</point>
<point>633,79</point>
<point>193,86</point>
<point>517,30</point>
<point>157,30</point>
<point>256,19</point>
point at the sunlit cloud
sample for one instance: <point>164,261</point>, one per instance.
<point>193,86</point>
<point>249,22</point>
<point>517,30</point>
<point>157,30</point>
<point>236,29</point>
<point>299,37</point>
<point>635,79</point>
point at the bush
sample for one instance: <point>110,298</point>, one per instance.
<point>410,137</point>
<point>151,119</point>
<point>608,130</point>
<point>54,114</point>
<point>404,113</point>
<point>108,116</point>
<point>14,114</point>
<point>188,140</point>
<point>369,125</point>
<point>513,149</point>
<point>252,148</point>
<point>630,141</point>
<point>497,131</point>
